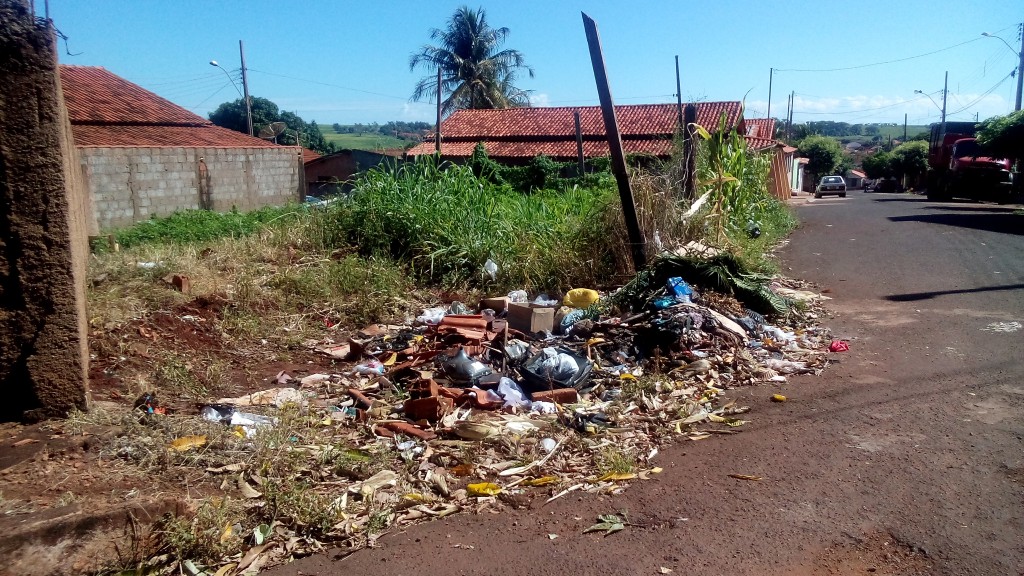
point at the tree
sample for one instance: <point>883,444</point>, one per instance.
<point>824,155</point>
<point>1003,135</point>
<point>232,114</point>
<point>878,165</point>
<point>475,73</point>
<point>264,112</point>
<point>337,128</point>
<point>910,159</point>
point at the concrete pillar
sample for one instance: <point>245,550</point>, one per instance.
<point>43,226</point>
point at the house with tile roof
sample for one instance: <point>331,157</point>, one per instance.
<point>515,135</point>
<point>142,155</point>
<point>786,173</point>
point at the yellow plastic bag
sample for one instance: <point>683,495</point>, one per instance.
<point>581,297</point>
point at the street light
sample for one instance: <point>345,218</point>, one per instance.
<point>232,80</point>
<point>1020,65</point>
<point>245,85</point>
<point>930,98</point>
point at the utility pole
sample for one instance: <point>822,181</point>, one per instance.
<point>789,109</point>
<point>1020,68</point>
<point>789,117</point>
<point>771,74</point>
<point>904,126</point>
<point>580,165</point>
<point>437,128</point>
<point>679,96</point>
<point>245,87</point>
<point>945,90</point>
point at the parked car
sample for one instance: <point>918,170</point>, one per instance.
<point>887,185</point>
<point>831,185</point>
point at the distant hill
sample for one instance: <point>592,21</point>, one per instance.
<point>376,136</point>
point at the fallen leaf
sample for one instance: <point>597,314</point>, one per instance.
<point>247,490</point>
<point>745,477</point>
<point>261,533</point>
<point>616,477</point>
<point>225,569</point>
<point>236,467</point>
<point>607,523</point>
<point>483,489</point>
<point>542,481</point>
<point>226,534</point>
<point>186,443</point>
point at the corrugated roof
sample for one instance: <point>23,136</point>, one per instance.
<point>526,132</point>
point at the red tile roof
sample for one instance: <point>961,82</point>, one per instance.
<point>107,110</point>
<point>755,143</point>
<point>760,127</point>
<point>95,95</point>
<point>309,155</point>
<point>102,136</point>
<point>526,132</point>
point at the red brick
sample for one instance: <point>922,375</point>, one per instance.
<point>558,396</point>
<point>430,409</point>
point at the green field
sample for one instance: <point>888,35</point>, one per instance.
<point>365,141</point>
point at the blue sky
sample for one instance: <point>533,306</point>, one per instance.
<point>348,61</point>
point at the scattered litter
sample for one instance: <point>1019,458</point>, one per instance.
<point>607,523</point>
<point>745,477</point>
<point>186,443</point>
<point>838,346</point>
<point>778,398</point>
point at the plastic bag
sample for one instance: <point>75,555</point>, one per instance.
<point>513,394</point>
<point>557,365</point>
<point>518,296</point>
<point>370,368</point>
<point>491,268</point>
<point>581,297</point>
<point>431,316</point>
<point>679,289</point>
<point>544,300</point>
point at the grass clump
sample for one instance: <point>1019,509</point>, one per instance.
<point>191,226</point>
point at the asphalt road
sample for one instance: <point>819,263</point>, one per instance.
<point>907,457</point>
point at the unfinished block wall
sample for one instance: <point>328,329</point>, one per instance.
<point>129,184</point>
<point>43,243</point>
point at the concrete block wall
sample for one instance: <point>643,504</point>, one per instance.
<point>132,184</point>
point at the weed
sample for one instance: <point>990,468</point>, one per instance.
<point>213,532</point>
<point>611,460</point>
<point>175,375</point>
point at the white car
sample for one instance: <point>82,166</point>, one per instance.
<point>831,185</point>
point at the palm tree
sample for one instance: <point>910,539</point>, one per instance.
<point>474,72</point>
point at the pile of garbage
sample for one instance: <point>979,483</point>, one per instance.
<point>519,397</point>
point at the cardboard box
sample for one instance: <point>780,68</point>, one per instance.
<point>530,318</point>
<point>499,304</point>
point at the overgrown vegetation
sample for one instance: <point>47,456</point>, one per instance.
<point>276,279</point>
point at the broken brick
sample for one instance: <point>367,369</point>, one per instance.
<point>430,409</point>
<point>558,396</point>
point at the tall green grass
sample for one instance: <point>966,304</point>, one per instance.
<point>445,222</point>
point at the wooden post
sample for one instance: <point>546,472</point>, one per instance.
<point>579,144</point>
<point>690,152</point>
<point>437,133</point>
<point>618,158</point>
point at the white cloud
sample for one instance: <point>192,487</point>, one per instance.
<point>540,100</point>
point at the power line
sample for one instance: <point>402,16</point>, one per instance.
<point>986,93</point>
<point>879,63</point>
<point>210,96</point>
<point>328,84</point>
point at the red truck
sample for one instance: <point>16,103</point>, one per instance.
<point>958,167</point>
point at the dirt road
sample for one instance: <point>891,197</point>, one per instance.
<point>905,458</point>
